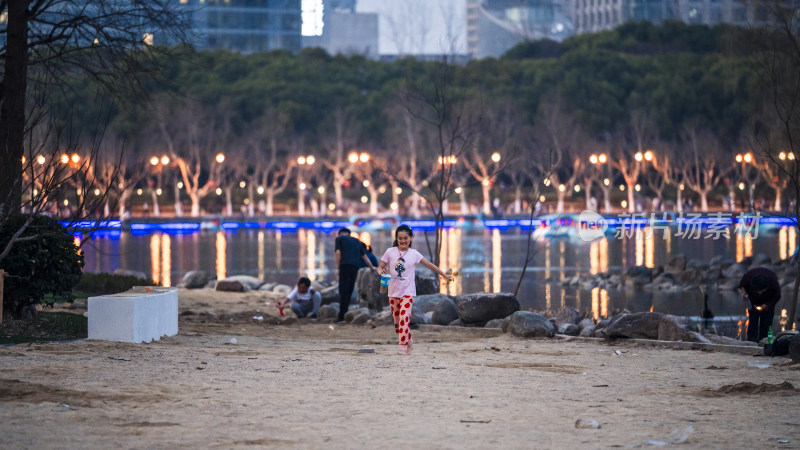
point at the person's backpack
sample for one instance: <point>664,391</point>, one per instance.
<point>780,345</point>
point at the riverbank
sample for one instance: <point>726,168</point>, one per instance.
<point>308,385</point>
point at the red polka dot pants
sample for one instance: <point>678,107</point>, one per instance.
<point>401,312</point>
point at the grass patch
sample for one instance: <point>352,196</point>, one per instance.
<point>51,326</point>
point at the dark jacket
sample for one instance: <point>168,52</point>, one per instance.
<point>769,296</point>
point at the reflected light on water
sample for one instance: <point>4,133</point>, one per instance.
<point>261,255</point>
<point>744,246</point>
<point>311,237</point>
<point>449,258</point>
<point>649,249</point>
<point>784,318</point>
<point>787,242</point>
<point>603,303</point>
<point>596,304</point>
<point>221,255</point>
<point>562,260</point>
<point>598,256</point>
<point>497,260</point>
<point>155,257</point>
<point>782,239</point>
<point>166,260</point>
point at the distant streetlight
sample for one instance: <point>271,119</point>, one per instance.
<point>648,155</point>
<point>220,158</point>
<point>64,158</point>
<point>75,158</point>
<point>638,156</point>
<point>321,189</point>
<point>154,160</point>
<point>260,190</point>
<point>459,190</point>
<point>364,157</point>
<point>40,159</point>
<point>165,160</point>
<point>398,190</point>
<point>242,184</point>
<point>577,188</point>
<point>353,158</point>
<point>364,199</point>
<point>496,157</point>
<point>365,183</point>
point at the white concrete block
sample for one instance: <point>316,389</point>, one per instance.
<point>142,314</point>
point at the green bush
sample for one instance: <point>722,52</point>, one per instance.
<point>43,266</point>
<point>106,283</point>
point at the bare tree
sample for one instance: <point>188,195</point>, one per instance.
<point>701,173</point>
<point>344,137</point>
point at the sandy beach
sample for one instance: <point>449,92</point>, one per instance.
<point>308,385</point>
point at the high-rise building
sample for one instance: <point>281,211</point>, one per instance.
<point>245,26</point>
<point>494,26</point>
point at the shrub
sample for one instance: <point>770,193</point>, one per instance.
<point>43,266</point>
<point>106,283</point>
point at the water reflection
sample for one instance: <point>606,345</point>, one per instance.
<point>222,261</point>
<point>161,259</point>
<point>450,257</point>
<point>497,261</point>
<point>261,256</point>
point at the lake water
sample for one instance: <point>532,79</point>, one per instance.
<point>488,260</point>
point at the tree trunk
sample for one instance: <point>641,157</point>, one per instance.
<point>178,204</point>
<point>462,198</point>
<point>337,194</point>
<point>250,203</point>
<point>228,203</point>
<point>270,200</point>
<point>156,211</point>
<point>607,199</point>
<point>373,199</point>
<point>415,205</point>
<point>487,205</point>
<point>301,203</point>
<point>195,203</point>
<point>518,200</point>
<point>560,204</point>
<point>12,107</point>
<point>704,201</point>
<point>631,201</point>
<point>587,189</point>
<point>777,207</point>
<point>679,200</point>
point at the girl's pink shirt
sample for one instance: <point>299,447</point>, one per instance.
<point>405,285</point>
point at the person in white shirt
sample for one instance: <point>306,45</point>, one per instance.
<point>303,300</point>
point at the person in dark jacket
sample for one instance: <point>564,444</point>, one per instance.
<point>761,290</point>
<point>350,252</point>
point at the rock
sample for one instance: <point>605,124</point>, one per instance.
<point>330,295</point>
<point>642,325</point>
<point>664,278</point>
<point>426,281</point>
<point>483,306</point>
<point>382,318</point>
<point>760,259</point>
<point>361,317</point>
<point>721,260</point>
<point>456,323</point>
<point>676,264</point>
<point>567,315</point>
<point>587,322</point>
<point>446,312</point>
<point>368,290</point>
<point>282,289</point>
<point>252,283</point>
<point>195,279</point>
<point>429,317</point>
<point>587,423</point>
<point>638,276</point>
<point>587,331</point>
<point>794,348</point>
<point>712,274</point>
<point>267,287</point>
<point>131,273</point>
<point>730,284</point>
<point>735,271</point>
<point>671,328</point>
<point>211,284</point>
<point>417,316</point>
<point>599,332</point>
<point>328,311</point>
<point>230,286</point>
<point>696,264</point>
<point>494,323</point>
<point>691,277</point>
<point>526,324</point>
<point>352,313</point>
<point>693,336</point>
<point>429,302</point>
<point>570,329</point>
<point>725,340</point>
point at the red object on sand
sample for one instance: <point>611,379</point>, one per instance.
<point>280,310</point>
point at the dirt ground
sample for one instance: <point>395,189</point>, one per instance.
<point>307,385</point>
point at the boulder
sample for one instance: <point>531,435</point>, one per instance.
<point>794,348</point>
<point>446,312</point>
<point>328,311</point>
<point>352,313</point>
<point>712,274</point>
<point>735,271</point>
<point>730,284</point>
<point>429,317</point>
<point>638,276</point>
<point>195,279</point>
<point>382,318</point>
<point>230,286</point>
<point>429,302</point>
<point>587,322</point>
<point>642,325</point>
<point>671,328</point>
<point>760,260</point>
<point>676,264</point>
<point>456,323</point>
<point>693,336</point>
<point>131,273</point>
<point>426,281</point>
<point>267,287</point>
<point>567,315</point>
<point>587,331</point>
<point>368,290</point>
<point>252,283</point>
<point>527,324</point>
<point>483,306</point>
<point>691,277</point>
<point>282,289</point>
<point>494,323</point>
<point>570,329</point>
<point>330,295</point>
<point>725,340</point>
<point>722,261</point>
<point>361,317</point>
<point>417,316</point>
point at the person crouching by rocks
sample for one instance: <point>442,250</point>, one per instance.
<point>304,300</point>
<point>761,290</point>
